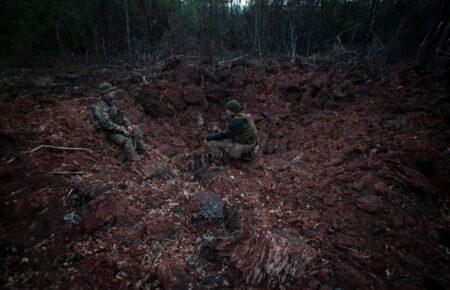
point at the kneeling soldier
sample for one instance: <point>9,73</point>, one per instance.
<point>107,117</point>
<point>239,140</point>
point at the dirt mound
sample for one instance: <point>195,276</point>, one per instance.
<point>272,257</point>
<point>349,190</point>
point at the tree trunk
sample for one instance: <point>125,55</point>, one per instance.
<point>293,43</point>
<point>371,25</point>
<point>373,12</point>
<point>58,37</point>
<point>435,33</point>
<point>443,42</point>
<point>96,41</point>
<point>256,27</point>
<point>127,26</point>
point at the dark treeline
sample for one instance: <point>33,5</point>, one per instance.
<point>149,29</point>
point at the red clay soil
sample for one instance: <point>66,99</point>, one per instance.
<point>349,189</point>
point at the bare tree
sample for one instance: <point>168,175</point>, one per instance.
<point>127,26</point>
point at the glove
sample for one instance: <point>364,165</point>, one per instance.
<point>129,130</point>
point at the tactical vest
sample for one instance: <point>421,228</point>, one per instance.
<point>114,113</point>
<point>249,133</point>
<point>113,110</point>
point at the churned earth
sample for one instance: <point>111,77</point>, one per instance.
<point>349,189</point>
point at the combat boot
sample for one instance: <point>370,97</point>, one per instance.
<point>247,156</point>
<point>130,156</point>
<point>141,148</point>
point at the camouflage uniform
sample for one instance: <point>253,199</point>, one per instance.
<point>238,141</point>
<point>108,118</point>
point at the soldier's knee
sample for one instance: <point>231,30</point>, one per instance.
<point>118,139</point>
<point>128,144</point>
<point>136,131</point>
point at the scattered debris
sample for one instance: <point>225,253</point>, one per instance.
<point>207,206</point>
<point>296,160</point>
<point>71,217</point>
<point>208,238</point>
<point>271,256</point>
<point>233,218</point>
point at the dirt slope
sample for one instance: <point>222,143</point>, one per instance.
<point>348,191</point>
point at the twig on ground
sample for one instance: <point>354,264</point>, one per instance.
<point>67,172</point>
<point>347,248</point>
<point>138,173</point>
<point>58,148</point>
<point>142,281</point>
<point>70,192</point>
<point>231,215</point>
<point>19,191</point>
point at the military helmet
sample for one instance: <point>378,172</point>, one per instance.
<point>234,106</point>
<point>104,88</point>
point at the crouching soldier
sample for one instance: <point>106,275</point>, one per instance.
<point>107,117</point>
<point>239,140</point>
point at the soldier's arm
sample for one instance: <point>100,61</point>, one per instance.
<point>106,123</point>
<point>257,119</point>
<point>231,131</point>
<point>126,121</point>
<point>123,120</point>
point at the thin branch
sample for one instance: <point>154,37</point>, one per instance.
<point>58,37</point>
<point>58,148</point>
<point>231,60</point>
<point>137,172</point>
<point>19,191</point>
<point>67,172</point>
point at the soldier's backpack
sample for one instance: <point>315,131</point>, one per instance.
<point>95,119</point>
<point>251,121</point>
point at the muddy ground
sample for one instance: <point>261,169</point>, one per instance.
<point>349,189</point>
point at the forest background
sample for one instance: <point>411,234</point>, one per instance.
<point>390,30</point>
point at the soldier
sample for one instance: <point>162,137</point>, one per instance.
<point>107,117</point>
<point>239,140</point>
